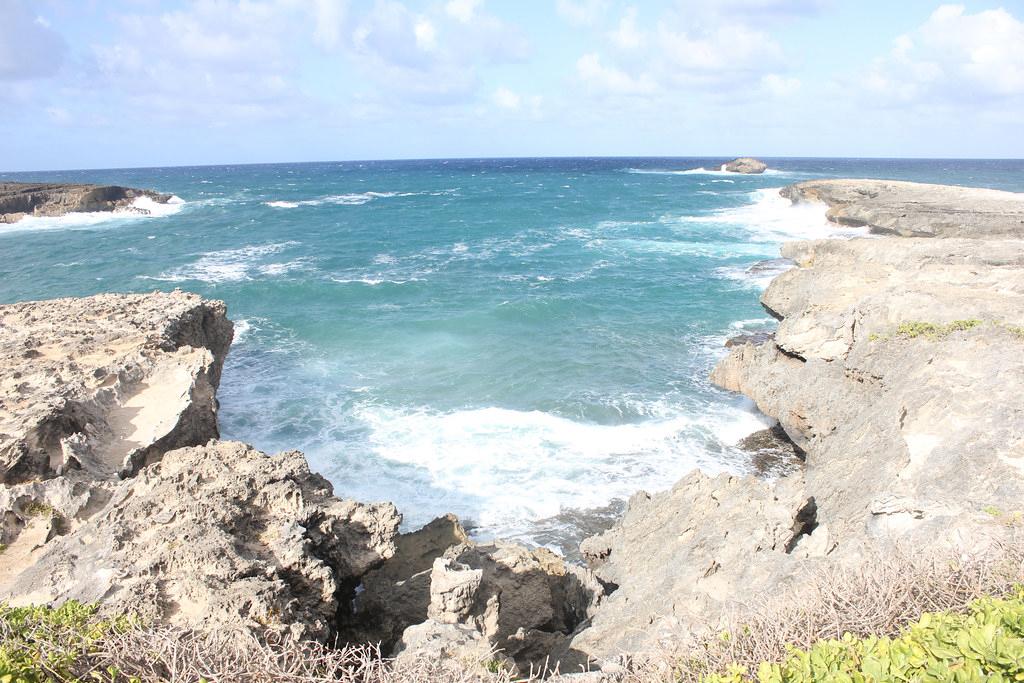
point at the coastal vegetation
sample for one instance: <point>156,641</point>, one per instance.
<point>898,616</point>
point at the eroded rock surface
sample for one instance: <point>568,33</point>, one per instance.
<point>916,209</point>
<point>895,370</point>
<point>18,200</point>
<point>507,603</point>
<point>106,383</point>
<point>219,536</point>
<point>681,557</point>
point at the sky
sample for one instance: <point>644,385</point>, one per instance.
<point>127,83</point>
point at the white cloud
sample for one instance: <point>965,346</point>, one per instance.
<point>426,35</point>
<point>29,47</point>
<point>462,10</point>
<point>432,58</point>
<point>626,35</point>
<point>506,99</point>
<point>707,49</point>
<point>581,12</point>
<point>725,54</point>
<point>513,103</point>
<point>610,80</point>
<point>953,57</point>
<point>780,86</point>
<point>207,61</point>
<point>329,21</point>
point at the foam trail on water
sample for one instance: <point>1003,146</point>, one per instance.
<point>234,265</point>
<point>350,199</point>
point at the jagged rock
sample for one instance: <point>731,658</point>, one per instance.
<point>106,383</point>
<point>683,557</point>
<point>930,420</point>
<point>520,605</point>
<point>397,594</point>
<point>92,389</point>
<point>218,536</point>
<point>772,452</point>
<point>916,209</point>
<point>909,420</point>
<point>755,338</point>
<point>18,200</point>
<point>745,165</point>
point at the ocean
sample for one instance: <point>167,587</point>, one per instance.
<point>523,342</point>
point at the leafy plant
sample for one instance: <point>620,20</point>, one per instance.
<point>44,644</point>
<point>985,644</point>
<point>915,329</point>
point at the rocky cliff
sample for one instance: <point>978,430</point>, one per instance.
<point>896,369</point>
<point>894,374</point>
<point>915,209</point>
<point>114,489</point>
<point>18,200</point>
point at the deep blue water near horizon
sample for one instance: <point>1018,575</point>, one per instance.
<point>506,339</point>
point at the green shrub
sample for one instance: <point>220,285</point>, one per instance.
<point>985,644</point>
<point>44,644</point>
<point>932,330</point>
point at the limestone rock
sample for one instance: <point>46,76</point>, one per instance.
<point>396,595</point>
<point>106,383</point>
<point>895,370</point>
<point>522,605</point>
<point>18,200</point>
<point>916,209</point>
<point>745,165</point>
<point>218,536</point>
<point>680,558</point>
<point>930,419</point>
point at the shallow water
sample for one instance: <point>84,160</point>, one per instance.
<point>510,340</point>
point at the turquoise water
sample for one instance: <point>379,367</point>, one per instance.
<point>504,339</point>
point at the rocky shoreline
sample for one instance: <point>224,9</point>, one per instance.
<point>894,374</point>
<point>18,200</point>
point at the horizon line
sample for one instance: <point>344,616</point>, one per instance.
<point>500,158</point>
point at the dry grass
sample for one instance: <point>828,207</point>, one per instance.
<point>172,655</point>
<point>880,596</point>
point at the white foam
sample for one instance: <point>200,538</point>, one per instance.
<point>770,217</point>
<point>142,208</point>
<point>712,250</point>
<point>700,170</point>
<point>233,265</point>
<point>524,466</point>
<point>242,329</point>
<point>350,199</point>
<point>756,276</point>
<point>372,281</point>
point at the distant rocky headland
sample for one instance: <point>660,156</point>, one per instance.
<point>18,200</point>
<point>895,374</point>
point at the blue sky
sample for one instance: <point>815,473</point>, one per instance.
<point>102,83</point>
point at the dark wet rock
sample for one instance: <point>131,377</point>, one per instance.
<point>772,452</point>
<point>753,338</point>
<point>18,200</point>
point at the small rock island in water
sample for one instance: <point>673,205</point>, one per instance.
<point>748,165</point>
